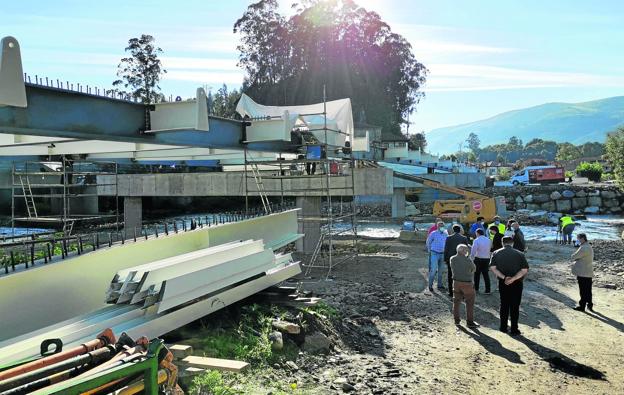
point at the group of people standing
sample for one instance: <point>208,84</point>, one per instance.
<point>499,248</point>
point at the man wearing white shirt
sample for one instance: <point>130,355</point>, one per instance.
<point>480,254</point>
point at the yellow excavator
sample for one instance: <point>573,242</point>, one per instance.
<point>464,210</point>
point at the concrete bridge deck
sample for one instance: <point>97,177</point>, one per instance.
<point>368,181</point>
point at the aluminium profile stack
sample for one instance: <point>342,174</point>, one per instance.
<point>195,287</point>
<point>173,282</point>
<point>132,285</point>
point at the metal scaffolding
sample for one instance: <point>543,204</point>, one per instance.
<point>318,165</point>
<point>44,193</point>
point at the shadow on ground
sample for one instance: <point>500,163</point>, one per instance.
<point>609,321</point>
<point>492,345</point>
<point>562,362</point>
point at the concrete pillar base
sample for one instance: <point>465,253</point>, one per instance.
<point>398,203</point>
<point>133,214</point>
<point>309,223</point>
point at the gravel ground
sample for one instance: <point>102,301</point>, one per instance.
<point>396,337</point>
<point>609,263</point>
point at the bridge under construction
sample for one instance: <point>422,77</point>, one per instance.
<point>66,142</point>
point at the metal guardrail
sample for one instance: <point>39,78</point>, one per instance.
<point>34,249</point>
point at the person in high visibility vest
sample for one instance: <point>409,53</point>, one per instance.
<point>501,226</point>
<point>566,227</point>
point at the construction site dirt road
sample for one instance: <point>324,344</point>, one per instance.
<point>396,337</point>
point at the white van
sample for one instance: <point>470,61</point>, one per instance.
<point>521,177</point>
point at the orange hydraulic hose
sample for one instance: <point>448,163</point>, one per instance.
<point>105,338</point>
<point>139,348</point>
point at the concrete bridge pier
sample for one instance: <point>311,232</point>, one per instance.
<point>133,214</point>
<point>398,203</point>
<point>309,222</point>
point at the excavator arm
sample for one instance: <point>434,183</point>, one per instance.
<point>465,193</point>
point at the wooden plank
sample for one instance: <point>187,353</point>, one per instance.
<point>180,351</point>
<point>215,363</point>
<point>298,302</point>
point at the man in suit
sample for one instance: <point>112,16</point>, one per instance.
<point>450,249</point>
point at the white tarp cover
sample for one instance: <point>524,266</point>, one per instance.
<point>339,115</point>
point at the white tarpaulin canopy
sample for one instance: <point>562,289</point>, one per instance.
<point>339,117</point>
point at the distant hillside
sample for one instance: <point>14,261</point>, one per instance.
<point>576,123</point>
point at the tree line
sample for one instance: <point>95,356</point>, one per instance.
<point>516,150</point>
<point>329,49</point>
<point>333,49</point>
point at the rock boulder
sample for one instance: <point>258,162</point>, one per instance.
<point>555,195</point>
<point>564,205</point>
<point>548,206</point>
<point>594,201</point>
<point>317,343</point>
<point>610,202</point>
<point>568,194</point>
<point>541,198</point>
<point>592,210</point>
<point>579,202</point>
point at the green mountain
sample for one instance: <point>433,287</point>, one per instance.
<point>576,123</point>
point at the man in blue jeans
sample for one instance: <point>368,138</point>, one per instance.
<point>435,244</point>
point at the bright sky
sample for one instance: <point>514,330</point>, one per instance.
<point>484,56</point>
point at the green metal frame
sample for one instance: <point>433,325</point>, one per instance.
<point>149,368</point>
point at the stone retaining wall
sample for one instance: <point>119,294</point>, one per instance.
<point>563,198</point>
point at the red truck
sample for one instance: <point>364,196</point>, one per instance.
<point>539,175</point>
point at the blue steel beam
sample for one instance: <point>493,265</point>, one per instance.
<point>56,112</point>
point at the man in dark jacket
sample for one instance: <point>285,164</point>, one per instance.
<point>497,238</point>
<point>510,267</point>
<point>518,237</point>
<point>450,249</point>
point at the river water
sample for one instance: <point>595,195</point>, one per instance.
<point>597,227</point>
<point>8,231</point>
<point>603,227</point>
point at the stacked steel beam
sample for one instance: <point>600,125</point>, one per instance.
<point>172,282</point>
<point>160,296</point>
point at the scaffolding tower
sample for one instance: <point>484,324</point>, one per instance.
<point>321,170</point>
<point>46,193</point>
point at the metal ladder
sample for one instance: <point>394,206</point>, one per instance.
<point>316,253</point>
<point>28,197</point>
<point>263,195</point>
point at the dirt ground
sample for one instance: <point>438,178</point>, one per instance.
<point>396,337</point>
